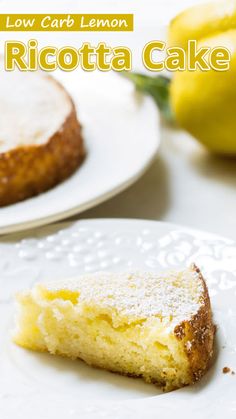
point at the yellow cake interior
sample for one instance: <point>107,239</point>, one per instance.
<point>121,322</point>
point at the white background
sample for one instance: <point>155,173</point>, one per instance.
<point>185,184</point>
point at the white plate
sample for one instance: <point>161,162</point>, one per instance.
<point>40,386</point>
<point>121,136</point>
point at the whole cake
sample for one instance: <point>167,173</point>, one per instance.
<point>158,327</point>
<point>40,136</point>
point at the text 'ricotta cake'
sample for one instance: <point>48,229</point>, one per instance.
<point>158,327</point>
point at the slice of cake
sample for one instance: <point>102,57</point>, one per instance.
<point>40,137</point>
<point>158,327</point>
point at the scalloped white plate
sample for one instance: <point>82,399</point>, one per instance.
<point>41,386</point>
<point>121,135</point>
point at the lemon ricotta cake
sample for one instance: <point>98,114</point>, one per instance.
<point>40,136</point>
<point>158,327</point>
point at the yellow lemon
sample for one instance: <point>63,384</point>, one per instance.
<point>201,21</point>
<point>204,102</point>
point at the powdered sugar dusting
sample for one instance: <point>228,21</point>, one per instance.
<point>32,109</point>
<point>173,295</point>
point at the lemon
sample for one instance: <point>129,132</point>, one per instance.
<point>201,21</point>
<point>204,102</point>
<point>201,102</point>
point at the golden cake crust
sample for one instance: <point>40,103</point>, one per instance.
<point>197,335</point>
<point>29,170</point>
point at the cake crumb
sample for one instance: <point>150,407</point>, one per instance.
<point>226,370</point>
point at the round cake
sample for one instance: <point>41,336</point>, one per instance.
<point>40,136</point>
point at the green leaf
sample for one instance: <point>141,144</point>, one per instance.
<point>158,87</point>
